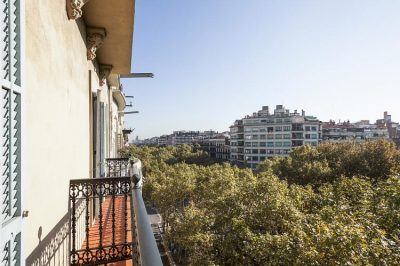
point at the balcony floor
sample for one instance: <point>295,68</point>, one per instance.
<point>94,237</point>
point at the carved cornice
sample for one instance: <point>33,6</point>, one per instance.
<point>74,8</point>
<point>94,39</point>
<point>104,72</point>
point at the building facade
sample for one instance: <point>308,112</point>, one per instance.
<point>217,146</point>
<point>352,132</point>
<point>263,135</point>
<point>62,114</point>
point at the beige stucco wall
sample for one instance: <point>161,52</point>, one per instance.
<point>57,126</point>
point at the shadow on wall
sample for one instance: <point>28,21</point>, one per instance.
<point>53,249</point>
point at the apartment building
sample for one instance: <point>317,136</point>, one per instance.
<point>263,134</point>
<point>357,132</point>
<point>180,137</point>
<point>217,146</point>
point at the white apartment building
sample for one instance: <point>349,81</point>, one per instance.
<point>353,132</point>
<point>265,135</point>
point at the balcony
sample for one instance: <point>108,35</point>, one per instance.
<point>108,220</point>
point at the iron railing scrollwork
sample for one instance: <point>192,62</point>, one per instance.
<point>116,167</point>
<point>103,210</point>
<point>113,196</point>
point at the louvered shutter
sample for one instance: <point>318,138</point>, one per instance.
<point>10,123</point>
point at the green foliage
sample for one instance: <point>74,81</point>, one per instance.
<point>337,204</point>
<point>378,160</point>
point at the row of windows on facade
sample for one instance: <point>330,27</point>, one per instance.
<point>269,143</point>
<point>258,158</point>
<point>282,136</point>
<point>276,144</point>
<point>294,127</point>
<point>268,120</point>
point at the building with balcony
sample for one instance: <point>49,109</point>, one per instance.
<point>62,117</point>
<point>263,134</point>
<point>217,146</point>
<point>358,132</point>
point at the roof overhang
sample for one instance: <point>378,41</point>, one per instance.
<point>117,18</point>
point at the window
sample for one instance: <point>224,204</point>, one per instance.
<point>297,127</point>
<point>263,129</point>
<point>255,158</point>
<point>262,158</point>
<point>314,128</point>
<point>254,144</point>
<point>307,128</point>
<point>270,144</point>
<point>247,136</point>
<point>262,136</point>
<point>247,144</point>
<point>270,136</point>
<point>270,129</point>
<point>270,151</point>
<point>254,151</point>
<point>286,136</point>
<point>278,129</point>
<point>254,129</point>
<point>307,136</point>
<point>254,136</point>
<point>262,151</point>
<point>286,128</point>
<point>314,136</point>
<point>297,135</point>
<point>278,136</point>
<point>286,144</point>
<point>296,143</point>
<point>263,144</point>
<point>278,144</point>
<point>247,151</point>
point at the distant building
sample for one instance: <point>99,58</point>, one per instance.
<point>180,137</point>
<point>217,146</point>
<point>184,137</point>
<point>164,140</point>
<point>348,132</point>
<point>361,131</point>
<point>265,135</point>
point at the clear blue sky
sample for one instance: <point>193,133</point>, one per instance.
<point>217,60</point>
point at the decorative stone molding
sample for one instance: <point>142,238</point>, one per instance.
<point>94,39</point>
<point>104,72</point>
<point>74,8</point>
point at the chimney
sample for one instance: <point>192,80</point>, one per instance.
<point>385,114</point>
<point>303,113</point>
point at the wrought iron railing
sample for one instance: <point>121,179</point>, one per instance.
<point>108,234</point>
<point>108,218</point>
<point>116,167</point>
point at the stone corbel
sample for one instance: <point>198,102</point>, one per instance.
<point>74,8</point>
<point>94,39</point>
<point>104,72</point>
